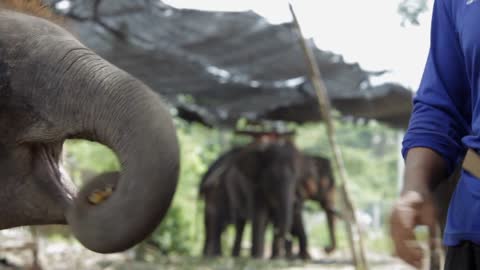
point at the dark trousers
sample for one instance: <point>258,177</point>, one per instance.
<point>465,256</point>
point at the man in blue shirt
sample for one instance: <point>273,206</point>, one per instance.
<point>445,123</point>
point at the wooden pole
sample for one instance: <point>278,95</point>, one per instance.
<point>353,231</point>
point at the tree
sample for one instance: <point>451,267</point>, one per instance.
<point>410,10</point>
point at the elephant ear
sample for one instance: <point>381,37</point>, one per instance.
<point>213,177</point>
<point>217,169</point>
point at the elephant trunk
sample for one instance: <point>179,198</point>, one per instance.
<point>287,206</point>
<point>102,103</point>
<point>284,221</point>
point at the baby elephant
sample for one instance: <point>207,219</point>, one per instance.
<point>316,183</point>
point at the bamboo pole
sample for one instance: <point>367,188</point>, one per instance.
<point>353,231</point>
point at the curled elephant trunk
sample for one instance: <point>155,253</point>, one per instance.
<point>59,89</point>
<point>96,101</point>
<point>116,110</point>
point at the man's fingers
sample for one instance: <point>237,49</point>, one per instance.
<point>405,245</point>
<point>412,253</point>
<point>402,224</point>
<point>412,209</point>
<point>411,199</point>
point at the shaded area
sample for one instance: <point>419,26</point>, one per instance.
<point>218,67</point>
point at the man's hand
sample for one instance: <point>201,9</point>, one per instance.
<point>411,209</point>
<point>424,169</point>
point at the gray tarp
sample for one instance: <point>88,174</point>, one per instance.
<point>217,67</point>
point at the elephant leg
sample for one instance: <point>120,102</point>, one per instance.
<point>282,243</point>
<point>207,247</point>
<point>237,246</point>
<point>289,246</point>
<point>276,246</point>
<point>259,224</point>
<point>212,246</point>
<point>299,231</point>
<point>217,243</point>
<point>331,230</point>
<point>217,237</point>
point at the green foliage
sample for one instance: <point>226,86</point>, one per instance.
<point>182,230</point>
<point>369,150</point>
<point>173,235</point>
<point>410,10</point>
<point>85,159</point>
<point>370,155</point>
<point>91,156</point>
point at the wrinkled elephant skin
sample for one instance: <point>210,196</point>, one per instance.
<point>52,88</point>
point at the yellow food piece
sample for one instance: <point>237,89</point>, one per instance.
<point>98,196</point>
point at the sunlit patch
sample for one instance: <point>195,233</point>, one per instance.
<point>63,5</point>
<point>98,196</point>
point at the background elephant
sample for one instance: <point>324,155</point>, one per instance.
<point>52,88</point>
<point>254,183</point>
<point>316,183</point>
<point>275,197</point>
<point>227,194</point>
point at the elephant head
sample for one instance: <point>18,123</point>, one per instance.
<point>317,183</point>
<point>53,88</point>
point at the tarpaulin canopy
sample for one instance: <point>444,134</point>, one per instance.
<point>218,67</point>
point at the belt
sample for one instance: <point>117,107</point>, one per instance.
<point>471,163</point>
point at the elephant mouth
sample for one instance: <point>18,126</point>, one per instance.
<point>56,178</point>
<point>38,192</point>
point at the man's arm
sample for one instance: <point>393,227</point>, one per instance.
<point>424,169</point>
<point>442,107</point>
<point>432,145</point>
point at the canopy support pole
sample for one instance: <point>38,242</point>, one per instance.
<point>353,230</point>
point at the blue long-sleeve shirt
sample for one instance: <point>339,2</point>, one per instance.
<point>446,116</point>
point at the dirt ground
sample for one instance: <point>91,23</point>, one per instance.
<point>69,255</point>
